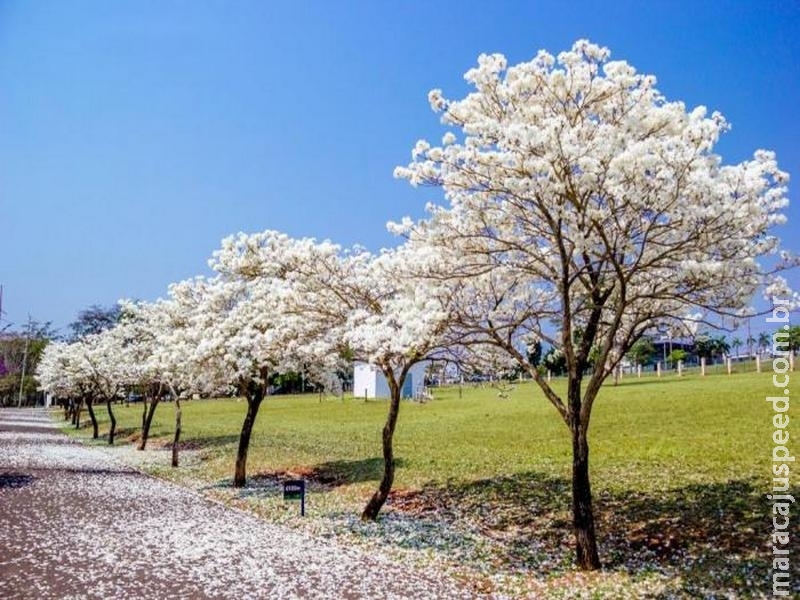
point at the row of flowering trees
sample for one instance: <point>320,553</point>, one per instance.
<point>584,210</point>
<point>275,304</point>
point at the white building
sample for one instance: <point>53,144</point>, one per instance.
<point>369,382</point>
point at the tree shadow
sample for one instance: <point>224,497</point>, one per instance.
<point>333,474</point>
<point>705,533</point>
<point>125,432</point>
<point>649,379</point>
<point>163,441</point>
<point>323,476</point>
<point>15,480</point>
<point>214,441</point>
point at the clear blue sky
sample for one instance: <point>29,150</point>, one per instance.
<point>135,135</point>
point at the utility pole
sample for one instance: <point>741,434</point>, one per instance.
<point>24,362</point>
<point>2,312</point>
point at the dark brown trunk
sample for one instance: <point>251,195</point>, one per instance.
<point>77,416</point>
<point>582,514</point>
<point>378,499</point>
<point>113,419</point>
<point>177,437</point>
<point>254,397</point>
<point>90,408</point>
<point>144,415</point>
<point>587,556</point>
<point>147,422</point>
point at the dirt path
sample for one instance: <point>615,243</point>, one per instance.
<point>74,523</point>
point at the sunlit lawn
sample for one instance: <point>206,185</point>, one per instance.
<point>680,467</point>
<point>661,433</point>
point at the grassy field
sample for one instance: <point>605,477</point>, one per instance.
<point>680,469</point>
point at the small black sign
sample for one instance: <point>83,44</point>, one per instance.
<point>295,489</point>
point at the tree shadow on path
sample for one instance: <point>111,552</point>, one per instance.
<point>14,480</point>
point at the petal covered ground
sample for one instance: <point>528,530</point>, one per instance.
<point>75,523</point>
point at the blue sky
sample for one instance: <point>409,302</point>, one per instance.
<point>135,135</point>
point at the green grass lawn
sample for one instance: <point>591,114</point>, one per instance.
<point>680,468</point>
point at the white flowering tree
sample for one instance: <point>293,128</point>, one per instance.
<point>180,324</point>
<point>336,303</point>
<point>110,365</point>
<point>162,340</point>
<point>139,322</point>
<point>66,373</point>
<point>385,316</point>
<point>585,209</point>
<point>156,334</point>
<point>255,334</point>
<point>372,309</point>
<point>56,376</point>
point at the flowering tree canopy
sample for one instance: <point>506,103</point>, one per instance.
<point>584,209</point>
<point>334,303</point>
<point>255,330</point>
<point>375,309</point>
<point>54,371</point>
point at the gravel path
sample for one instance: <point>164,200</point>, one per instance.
<point>75,523</point>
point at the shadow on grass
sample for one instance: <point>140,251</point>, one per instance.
<point>713,534</point>
<point>125,432</point>
<point>334,473</point>
<point>215,441</point>
<point>649,379</point>
<point>344,472</point>
<point>163,441</point>
<point>323,476</point>
<point>329,474</point>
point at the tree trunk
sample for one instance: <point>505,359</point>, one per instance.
<point>77,414</point>
<point>177,438</point>
<point>144,415</point>
<point>582,514</point>
<point>254,398</point>
<point>147,422</point>
<point>378,499</point>
<point>113,421</point>
<point>90,408</point>
<point>587,556</point>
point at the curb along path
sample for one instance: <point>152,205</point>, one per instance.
<point>75,523</point>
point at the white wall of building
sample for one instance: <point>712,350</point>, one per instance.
<point>364,380</point>
<point>368,380</point>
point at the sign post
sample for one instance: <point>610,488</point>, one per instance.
<point>295,489</point>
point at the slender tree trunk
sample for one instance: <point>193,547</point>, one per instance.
<point>77,414</point>
<point>582,514</point>
<point>177,438</point>
<point>111,416</point>
<point>144,414</point>
<point>587,556</point>
<point>92,416</point>
<point>378,499</point>
<point>148,421</point>
<point>65,405</point>
<point>254,397</point>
